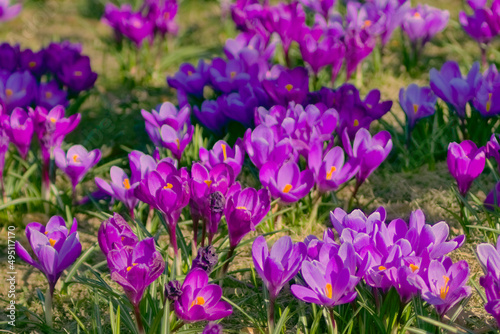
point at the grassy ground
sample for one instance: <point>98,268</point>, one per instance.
<point>111,121</point>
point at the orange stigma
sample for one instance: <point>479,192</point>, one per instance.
<point>232,74</point>
<point>367,23</point>
<point>46,232</point>
<point>289,87</point>
<point>48,95</point>
<point>32,64</point>
<point>78,73</point>
<point>190,72</point>
<point>198,301</point>
<point>415,108</point>
<point>443,292</point>
<point>208,183</point>
<point>52,242</point>
<point>126,184</point>
<point>241,208</point>
<point>417,15</point>
<point>224,152</point>
<point>330,173</point>
<point>9,92</point>
<point>168,186</point>
<point>130,267</point>
<point>488,103</point>
<point>76,158</point>
<point>356,122</point>
<point>287,188</point>
<point>178,142</point>
<point>413,267</point>
<point>329,290</point>
<point>381,268</point>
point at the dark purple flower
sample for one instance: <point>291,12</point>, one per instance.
<point>490,260</point>
<point>163,13</point>
<point>493,199</point>
<point>77,75</point>
<point>173,290</point>
<point>135,267</point>
<point>19,127</point>
<point>240,106</point>
<point>212,328</point>
<point>76,162</point>
<point>140,165</point>
<point>323,7</point>
<point>465,163</point>
<point>8,11</point>
<point>168,114</point>
<point>120,188</point>
<point>18,90</point>
<point>54,246</point>
<point>286,182</point>
<point>176,140</point>
<point>244,210</point>
<point>115,233</point>
<point>190,79</point>
<point>228,76</point>
<point>200,301</point>
<point>32,61</point>
<point>221,152</point>
<point>9,56</point>
<point>483,24</point>
<point>280,265</point>
<point>286,85</point>
<point>211,115</point>
<point>423,22</point>
<point>486,99</point>
<point>49,95</point>
<point>417,102</point>
<point>57,54</point>
<point>206,259</point>
<point>4,147</point>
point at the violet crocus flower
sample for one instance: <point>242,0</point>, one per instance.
<point>489,258</point>
<point>167,114</point>
<point>244,210</point>
<point>323,7</point>
<point>444,286</point>
<point>77,75</point>
<point>286,85</point>
<point>492,200</point>
<point>211,115</point>
<point>423,22</point>
<point>483,24</point>
<point>486,99</point>
<point>280,265</point>
<point>9,11</point>
<point>221,152</point>
<point>9,57</point>
<point>240,106</point>
<point>190,79</point>
<point>286,182</point>
<point>76,162</point>
<point>115,233</point>
<point>417,102</point>
<point>55,248</point>
<point>465,163</point>
<point>201,301</point>
<point>32,61</point>
<point>212,328</point>
<point>176,140</point>
<point>229,76</point>
<point>18,90</point>
<point>449,85</point>
<point>19,127</point>
<point>367,151</point>
<point>49,95</point>
<point>135,267</point>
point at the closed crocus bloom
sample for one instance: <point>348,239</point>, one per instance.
<point>492,148</point>
<point>263,145</point>
<point>465,163</point>
<point>167,114</point>
<point>76,162</point>
<point>449,85</point>
<point>369,152</point>
<point>328,284</point>
<point>115,233</point>
<point>280,265</point>
<point>55,247</point>
<point>423,22</point>
<point>286,182</point>
<point>211,115</point>
<point>18,90</point>
<point>120,188</point>
<point>8,11</point>
<point>176,140</point>
<point>330,171</point>
<point>443,286</point>
<point>135,268</point>
<point>77,75</point>
<point>201,301</point>
<point>9,57</point>
<point>20,130</point>
<point>221,152</point>
<point>417,102</point>
<point>287,85</point>
<point>244,210</point>
<point>493,199</point>
<point>49,95</point>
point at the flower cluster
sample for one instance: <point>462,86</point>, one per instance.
<point>154,18</point>
<point>46,78</point>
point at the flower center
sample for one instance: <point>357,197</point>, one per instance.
<point>52,242</point>
<point>381,268</point>
<point>46,232</point>
<point>287,188</point>
<point>415,108</point>
<point>32,64</point>
<point>178,142</point>
<point>241,208</point>
<point>417,15</point>
<point>356,122</point>
<point>168,186</point>
<point>78,73</point>
<point>224,152</point>
<point>126,184</point>
<point>443,292</point>
<point>413,267</point>
<point>166,16</point>
<point>329,290</point>
<point>76,158</point>
<point>130,267</point>
<point>232,74</point>
<point>198,301</point>
<point>190,72</point>
<point>488,103</point>
<point>48,95</point>
<point>330,173</point>
<point>208,183</point>
<point>367,23</point>
<point>289,87</point>
<point>9,92</point>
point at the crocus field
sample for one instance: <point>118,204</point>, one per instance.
<point>250,166</point>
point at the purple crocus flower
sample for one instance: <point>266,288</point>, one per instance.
<point>19,127</point>
<point>423,22</point>
<point>449,85</point>
<point>240,106</point>
<point>228,76</point>
<point>221,152</point>
<point>136,27</point>
<point>285,85</point>
<point>465,163</point>
<point>77,75</point>
<point>367,151</point>
<point>493,199</point>
<point>286,182</point>
<point>176,140</point>
<point>115,233</point>
<point>55,247</point>
<point>486,99</point>
<point>8,11</point>
<point>280,265</point>
<point>323,7</point>
<point>417,102</point>
<point>168,114</point>
<point>490,260</point>
<point>244,210</point>
<point>200,301</point>
<point>9,57</point>
<point>18,90</point>
<point>49,95</point>
<point>190,79</point>
<point>57,54</point>
<point>32,61</point>
<point>483,24</point>
<point>444,285</point>
<point>76,162</point>
<point>211,115</point>
<point>135,267</point>
<point>212,328</point>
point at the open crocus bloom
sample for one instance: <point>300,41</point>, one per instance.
<point>76,162</point>
<point>200,301</point>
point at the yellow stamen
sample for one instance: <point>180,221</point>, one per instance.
<point>329,290</point>
<point>382,268</point>
<point>241,208</point>
<point>208,183</point>
<point>223,146</point>
<point>130,267</point>
<point>178,143</point>
<point>233,74</point>
<point>330,173</point>
<point>287,188</point>
<point>126,184</point>
<point>32,64</point>
<point>413,267</point>
<point>9,92</point>
<point>78,73</point>
<point>48,95</point>
<point>415,108</point>
<point>289,87</point>
<point>443,292</point>
<point>123,238</point>
<point>168,186</point>
<point>76,158</point>
<point>198,301</point>
<point>52,242</point>
<point>488,103</point>
<point>356,122</point>
<point>190,72</point>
